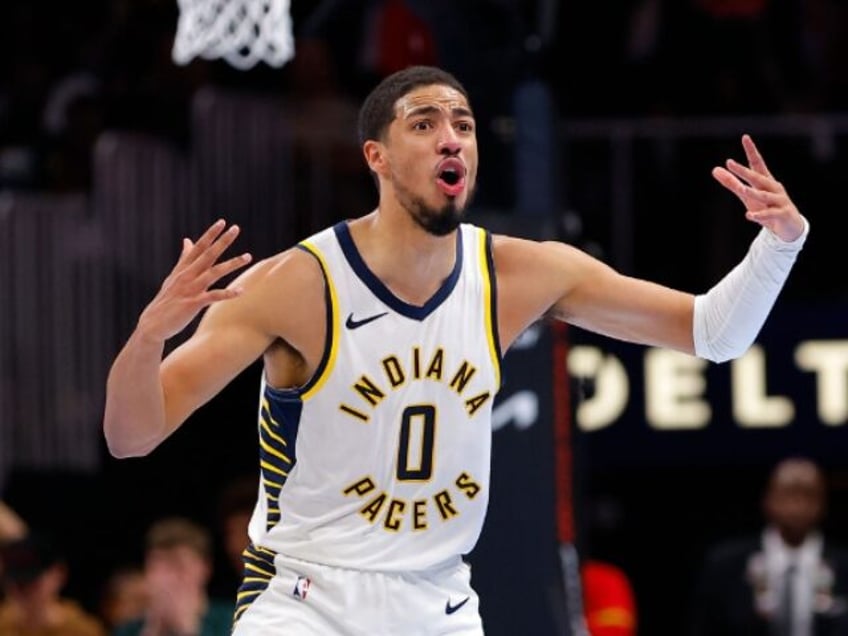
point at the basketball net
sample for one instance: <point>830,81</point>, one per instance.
<point>242,32</point>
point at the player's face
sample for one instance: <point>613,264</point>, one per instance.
<point>432,151</point>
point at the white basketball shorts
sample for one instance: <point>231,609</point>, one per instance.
<point>307,599</point>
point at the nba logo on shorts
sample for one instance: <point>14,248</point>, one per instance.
<point>301,588</point>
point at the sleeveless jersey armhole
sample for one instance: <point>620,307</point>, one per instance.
<point>490,291</point>
<point>331,340</point>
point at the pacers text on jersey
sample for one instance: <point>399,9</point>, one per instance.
<point>395,510</point>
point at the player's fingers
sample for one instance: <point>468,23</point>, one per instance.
<point>751,196</point>
<point>217,295</point>
<point>755,159</point>
<point>225,268</point>
<point>761,181</point>
<point>754,197</point>
<point>213,251</point>
<point>758,216</point>
<point>184,253</point>
<point>212,233</point>
<point>762,215</point>
<point>731,182</point>
<point>776,200</point>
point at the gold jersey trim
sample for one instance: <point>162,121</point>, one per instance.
<point>333,327</point>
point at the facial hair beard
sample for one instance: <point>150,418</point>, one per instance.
<point>436,221</point>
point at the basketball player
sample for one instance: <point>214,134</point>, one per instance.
<point>382,340</point>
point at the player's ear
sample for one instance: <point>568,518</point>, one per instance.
<point>375,156</point>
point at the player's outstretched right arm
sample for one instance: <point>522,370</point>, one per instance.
<point>138,415</point>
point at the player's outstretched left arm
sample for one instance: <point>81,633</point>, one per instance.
<point>558,280</point>
<point>728,318</point>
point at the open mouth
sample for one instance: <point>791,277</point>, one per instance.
<point>451,177</point>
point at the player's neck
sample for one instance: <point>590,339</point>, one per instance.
<point>409,260</point>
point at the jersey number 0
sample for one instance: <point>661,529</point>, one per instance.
<point>415,448</point>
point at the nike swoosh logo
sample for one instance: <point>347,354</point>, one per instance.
<point>350,323</point>
<point>450,609</point>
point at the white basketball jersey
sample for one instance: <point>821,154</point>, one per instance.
<point>381,462</point>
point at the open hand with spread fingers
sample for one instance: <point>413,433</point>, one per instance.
<point>765,199</point>
<point>186,290</point>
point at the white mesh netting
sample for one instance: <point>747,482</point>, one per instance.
<point>243,32</point>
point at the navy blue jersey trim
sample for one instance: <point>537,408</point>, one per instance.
<point>259,569</point>
<point>382,292</point>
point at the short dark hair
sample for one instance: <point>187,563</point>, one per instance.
<point>27,558</point>
<point>173,532</point>
<point>378,109</point>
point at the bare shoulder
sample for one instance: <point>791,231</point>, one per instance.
<point>534,278</point>
<point>549,269</point>
<point>292,268</point>
<point>281,289</point>
<point>513,252</point>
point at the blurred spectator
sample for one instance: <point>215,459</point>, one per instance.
<point>11,525</point>
<point>758,68</point>
<point>367,39</point>
<point>608,600</point>
<point>124,596</point>
<point>396,37</point>
<point>235,507</point>
<point>71,122</point>
<point>322,116</point>
<point>177,566</point>
<point>34,575</point>
<point>787,581</point>
<point>144,89</point>
<point>825,47</point>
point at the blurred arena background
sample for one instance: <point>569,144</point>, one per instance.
<point>597,125</point>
